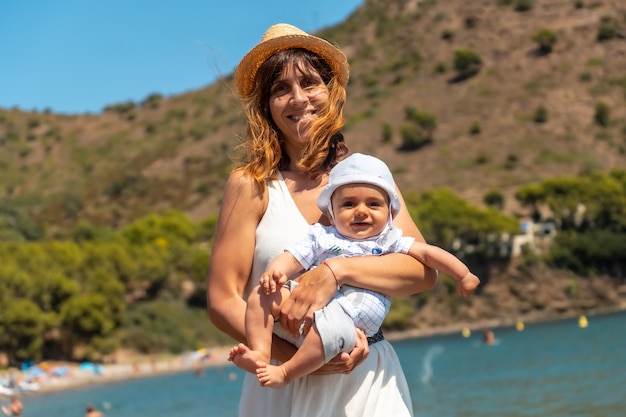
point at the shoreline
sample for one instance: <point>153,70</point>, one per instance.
<point>147,366</point>
<point>526,319</point>
<point>141,366</point>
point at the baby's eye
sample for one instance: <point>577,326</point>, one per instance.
<point>348,204</point>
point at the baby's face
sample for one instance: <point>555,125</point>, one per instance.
<point>360,210</point>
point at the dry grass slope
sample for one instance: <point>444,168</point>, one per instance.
<point>175,152</point>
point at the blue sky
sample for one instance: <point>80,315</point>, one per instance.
<point>77,56</point>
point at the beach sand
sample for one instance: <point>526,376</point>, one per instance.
<point>129,367</point>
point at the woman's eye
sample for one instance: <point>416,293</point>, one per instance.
<point>278,88</point>
<point>310,83</point>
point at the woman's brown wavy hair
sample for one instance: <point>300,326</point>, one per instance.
<point>264,153</point>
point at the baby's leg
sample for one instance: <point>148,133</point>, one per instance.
<point>308,358</point>
<point>332,332</point>
<point>260,313</point>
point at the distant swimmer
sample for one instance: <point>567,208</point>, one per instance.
<point>14,408</point>
<point>92,412</point>
<point>488,337</point>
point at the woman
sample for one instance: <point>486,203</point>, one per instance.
<point>293,89</point>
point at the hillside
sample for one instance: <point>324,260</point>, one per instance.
<point>522,113</point>
<point>174,152</point>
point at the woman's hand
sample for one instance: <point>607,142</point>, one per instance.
<point>344,363</point>
<point>315,288</point>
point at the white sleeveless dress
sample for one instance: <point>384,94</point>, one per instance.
<point>375,388</point>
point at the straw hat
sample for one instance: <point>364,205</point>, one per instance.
<point>283,36</point>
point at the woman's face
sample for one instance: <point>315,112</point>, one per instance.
<point>295,99</point>
<point>360,211</point>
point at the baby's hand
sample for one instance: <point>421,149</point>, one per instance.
<point>271,280</point>
<point>466,285</point>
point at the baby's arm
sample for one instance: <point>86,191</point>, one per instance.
<point>441,260</point>
<point>278,272</point>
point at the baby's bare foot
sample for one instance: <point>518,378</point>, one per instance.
<point>246,358</point>
<point>271,376</point>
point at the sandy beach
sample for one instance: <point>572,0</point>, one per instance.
<point>130,367</point>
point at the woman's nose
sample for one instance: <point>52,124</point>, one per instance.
<point>298,95</point>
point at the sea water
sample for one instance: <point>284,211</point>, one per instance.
<point>549,369</point>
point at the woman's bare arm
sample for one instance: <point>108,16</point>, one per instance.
<point>233,253</point>
<point>231,261</point>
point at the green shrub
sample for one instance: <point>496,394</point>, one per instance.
<point>481,159</point>
<point>413,137</point>
<point>440,68</point>
<point>523,5</point>
<point>475,128</point>
<point>602,114</point>
<point>120,108</point>
<point>545,38</point>
<point>470,21</point>
<point>33,122</point>
<point>423,119</point>
<point>607,30</point>
<point>494,198</point>
<point>511,162</point>
<point>152,101</point>
<point>467,60</point>
<point>541,115</point>
<point>387,133</point>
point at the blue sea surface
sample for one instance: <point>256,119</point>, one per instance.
<point>549,369</point>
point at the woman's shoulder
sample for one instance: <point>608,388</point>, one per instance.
<point>241,181</point>
<point>240,176</point>
<point>242,190</point>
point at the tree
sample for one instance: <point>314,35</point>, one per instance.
<point>15,224</point>
<point>443,216</point>
<point>494,198</point>
<point>84,318</point>
<point>594,201</point>
<point>22,326</point>
<point>170,226</point>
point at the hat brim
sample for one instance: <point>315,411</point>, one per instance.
<point>247,69</point>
